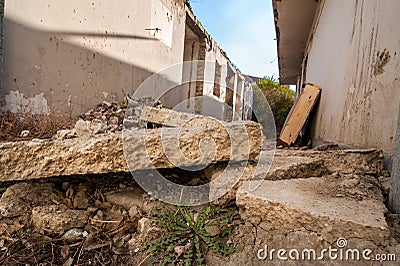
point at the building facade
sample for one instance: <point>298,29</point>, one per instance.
<point>68,56</point>
<point>351,49</point>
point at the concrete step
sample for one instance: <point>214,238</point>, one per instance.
<point>289,167</point>
<point>326,207</point>
<point>282,167</point>
<point>293,164</point>
<point>368,161</point>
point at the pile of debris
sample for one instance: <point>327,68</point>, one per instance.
<point>106,117</point>
<point>309,199</point>
<point>73,220</point>
<point>74,200</point>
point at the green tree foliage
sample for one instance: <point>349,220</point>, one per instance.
<point>280,99</point>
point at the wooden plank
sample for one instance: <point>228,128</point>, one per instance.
<point>299,115</point>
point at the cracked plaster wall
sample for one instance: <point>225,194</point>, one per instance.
<point>354,55</point>
<point>75,54</point>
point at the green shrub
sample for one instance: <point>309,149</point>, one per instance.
<point>280,99</point>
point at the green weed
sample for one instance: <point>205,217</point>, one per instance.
<point>186,234</point>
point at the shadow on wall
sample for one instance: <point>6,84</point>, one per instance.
<point>72,78</point>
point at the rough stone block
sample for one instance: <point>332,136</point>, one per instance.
<point>57,218</point>
<point>311,205</point>
<point>101,154</point>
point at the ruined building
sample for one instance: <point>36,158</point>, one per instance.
<point>351,50</point>
<point>69,56</point>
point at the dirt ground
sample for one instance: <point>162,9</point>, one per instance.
<point>102,211</point>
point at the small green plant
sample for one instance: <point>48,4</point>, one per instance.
<point>187,234</point>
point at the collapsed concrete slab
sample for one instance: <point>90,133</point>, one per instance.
<point>294,164</point>
<point>105,153</point>
<point>282,167</point>
<point>288,167</point>
<point>368,161</point>
<point>166,117</point>
<point>314,207</point>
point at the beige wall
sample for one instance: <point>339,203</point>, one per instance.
<point>70,55</point>
<point>354,56</point>
<point>241,85</point>
<point>191,53</point>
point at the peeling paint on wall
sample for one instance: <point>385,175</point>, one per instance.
<point>17,103</point>
<point>62,48</point>
<point>359,104</point>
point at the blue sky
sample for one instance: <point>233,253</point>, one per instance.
<point>245,30</point>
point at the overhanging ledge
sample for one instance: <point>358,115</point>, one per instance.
<point>293,22</point>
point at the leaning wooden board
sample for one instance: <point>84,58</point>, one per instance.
<point>299,115</point>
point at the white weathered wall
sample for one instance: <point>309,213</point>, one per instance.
<point>78,53</point>
<point>189,72</point>
<point>240,87</point>
<point>217,105</point>
<point>355,57</point>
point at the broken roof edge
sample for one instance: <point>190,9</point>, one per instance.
<point>293,30</point>
<point>206,35</point>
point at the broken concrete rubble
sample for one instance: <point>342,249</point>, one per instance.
<point>104,153</point>
<point>314,211</point>
<point>294,164</point>
<point>292,205</point>
<point>20,198</point>
<point>108,118</point>
<point>308,200</point>
<point>58,218</point>
<point>368,161</point>
<point>126,198</point>
<point>166,117</point>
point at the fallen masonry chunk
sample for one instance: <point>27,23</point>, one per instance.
<point>166,117</point>
<point>312,205</point>
<point>294,164</point>
<point>20,198</point>
<point>105,153</point>
<point>58,218</point>
<point>282,167</point>
<point>367,161</point>
<point>138,114</point>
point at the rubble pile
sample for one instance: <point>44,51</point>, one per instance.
<point>105,118</point>
<point>309,199</point>
<point>73,196</point>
